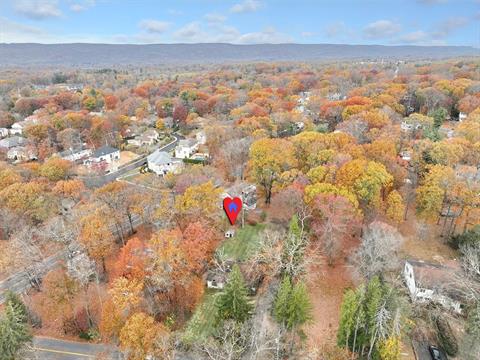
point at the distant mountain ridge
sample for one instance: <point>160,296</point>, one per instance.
<point>95,55</point>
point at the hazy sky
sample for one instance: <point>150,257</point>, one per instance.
<point>388,22</point>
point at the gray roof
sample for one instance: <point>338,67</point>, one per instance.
<point>160,157</point>
<point>104,150</point>
<point>187,142</point>
<point>11,142</point>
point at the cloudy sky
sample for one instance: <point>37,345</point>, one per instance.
<point>388,22</point>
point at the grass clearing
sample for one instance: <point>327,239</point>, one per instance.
<point>243,244</point>
<point>202,323</point>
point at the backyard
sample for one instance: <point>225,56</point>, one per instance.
<point>238,248</point>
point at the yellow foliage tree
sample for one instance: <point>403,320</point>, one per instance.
<point>269,158</point>
<point>395,207</point>
<point>389,349</point>
<point>139,334</point>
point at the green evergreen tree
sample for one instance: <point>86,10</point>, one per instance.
<point>471,348</point>
<point>439,116</point>
<point>16,301</point>
<point>361,317</point>
<point>294,227</point>
<point>233,303</point>
<point>299,307</point>
<point>283,298</point>
<point>292,305</point>
<point>349,313</point>
<point>14,332</point>
<point>293,249</point>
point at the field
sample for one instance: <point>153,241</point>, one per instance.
<point>241,246</point>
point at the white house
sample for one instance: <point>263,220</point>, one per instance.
<point>105,153</point>
<point>162,163</point>
<point>148,138</point>
<point>19,127</point>
<point>3,132</point>
<point>427,282</point>
<point>246,192</point>
<point>201,137</point>
<point>75,154</point>
<point>462,116</point>
<point>21,153</point>
<point>299,125</point>
<point>406,155</point>
<point>186,148</point>
<point>406,126</point>
<point>216,280</point>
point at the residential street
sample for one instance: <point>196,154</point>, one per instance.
<point>98,181</point>
<point>54,349</point>
<point>20,281</point>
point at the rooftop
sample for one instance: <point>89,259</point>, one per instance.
<point>160,157</point>
<point>104,150</point>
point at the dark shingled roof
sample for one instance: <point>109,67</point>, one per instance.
<point>104,150</point>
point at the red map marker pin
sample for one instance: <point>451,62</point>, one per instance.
<point>232,208</point>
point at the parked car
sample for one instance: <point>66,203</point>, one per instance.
<point>435,353</point>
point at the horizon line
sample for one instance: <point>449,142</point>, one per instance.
<point>235,44</point>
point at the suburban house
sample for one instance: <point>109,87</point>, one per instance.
<point>201,137</point>
<point>162,163</point>
<point>216,280</point>
<point>468,173</point>
<point>19,127</point>
<point>3,132</point>
<point>246,192</point>
<point>299,125</point>
<point>21,153</point>
<point>428,282</point>
<point>11,142</point>
<point>446,131</point>
<point>75,154</point>
<point>148,138</point>
<point>336,96</point>
<point>186,148</point>
<point>406,155</point>
<point>105,153</point>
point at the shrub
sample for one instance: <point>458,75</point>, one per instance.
<point>470,237</point>
<point>446,337</point>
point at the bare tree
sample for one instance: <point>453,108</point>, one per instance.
<point>229,343</point>
<point>471,259</point>
<point>235,156</point>
<point>377,251</point>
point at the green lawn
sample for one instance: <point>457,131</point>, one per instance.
<point>240,247</point>
<point>245,241</point>
<point>202,323</point>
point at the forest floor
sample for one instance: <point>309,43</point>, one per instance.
<point>326,285</point>
<point>422,241</point>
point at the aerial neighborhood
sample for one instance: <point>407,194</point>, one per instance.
<point>230,180</point>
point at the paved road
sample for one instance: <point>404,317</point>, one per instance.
<point>20,282</point>
<point>98,181</point>
<point>54,349</point>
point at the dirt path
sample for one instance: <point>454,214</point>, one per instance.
<point>326,293</point>
<point>327,285</point>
